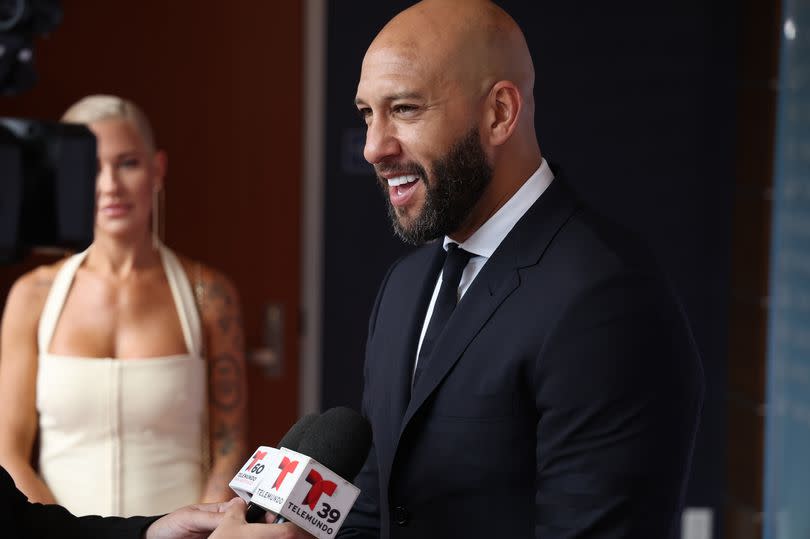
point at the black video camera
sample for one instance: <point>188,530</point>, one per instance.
<point>47,169</point>
<point>47,186</point>
<point>20,22</point>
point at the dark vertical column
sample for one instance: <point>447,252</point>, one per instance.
<point>756,99</point>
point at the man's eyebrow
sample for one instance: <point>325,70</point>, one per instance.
<point>392,97</point>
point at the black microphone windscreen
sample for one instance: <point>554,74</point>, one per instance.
<point>292,439</point>
<point>340,440</point>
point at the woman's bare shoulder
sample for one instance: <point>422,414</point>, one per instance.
<point>37,282</point>
<point>28,293</point>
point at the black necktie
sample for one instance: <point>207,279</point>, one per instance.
<point>454,264</point>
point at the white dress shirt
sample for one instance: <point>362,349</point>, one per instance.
<point>489,236</point>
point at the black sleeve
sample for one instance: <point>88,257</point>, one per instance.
<point>619,388</point>
<point>46,521</point>
<point>22,519</point>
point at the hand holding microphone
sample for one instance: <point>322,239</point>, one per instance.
<point>234,525</point>
<point>308,483</point>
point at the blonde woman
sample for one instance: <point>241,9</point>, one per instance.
<point>126,359</point>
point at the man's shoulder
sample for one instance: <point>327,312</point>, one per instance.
<point>588,232</point>
<point>595,241</point>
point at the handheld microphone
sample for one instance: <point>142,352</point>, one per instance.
<point>289,441</point>
<point>292,439</point>
<point>340,439</point>
<point>311,486</point>
<point>249,476</point>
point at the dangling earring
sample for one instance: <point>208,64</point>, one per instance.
<point>158,200</point>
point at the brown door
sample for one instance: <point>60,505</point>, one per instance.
<point>221,83</point>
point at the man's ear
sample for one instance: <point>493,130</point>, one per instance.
<point>504,103</point>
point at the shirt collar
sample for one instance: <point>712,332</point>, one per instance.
<point>486,239</point>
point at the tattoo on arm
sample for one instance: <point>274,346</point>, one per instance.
<point>225,323</point>
<point>228,318</point>
<point>226,373</point>
<point>226,367</point>
<point>224,437</point>
<point>218,292</point>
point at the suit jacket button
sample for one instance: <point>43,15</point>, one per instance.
<point>400,515</point>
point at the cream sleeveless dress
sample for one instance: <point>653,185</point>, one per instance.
<point>123,436</point>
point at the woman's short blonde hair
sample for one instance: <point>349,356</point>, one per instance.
<point>94,108</point>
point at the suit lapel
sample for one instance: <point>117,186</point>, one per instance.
<point>402,344</point>
<point>522,247</point>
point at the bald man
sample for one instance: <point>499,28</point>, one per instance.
<point>528,371</point>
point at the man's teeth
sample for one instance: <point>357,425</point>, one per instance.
<point>401,180</point>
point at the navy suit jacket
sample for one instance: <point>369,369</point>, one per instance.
<point>24,520</point>
<point>561,400</point>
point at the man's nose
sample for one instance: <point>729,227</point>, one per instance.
<point>381,142</point>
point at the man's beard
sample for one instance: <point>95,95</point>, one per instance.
<point>460,178</point>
